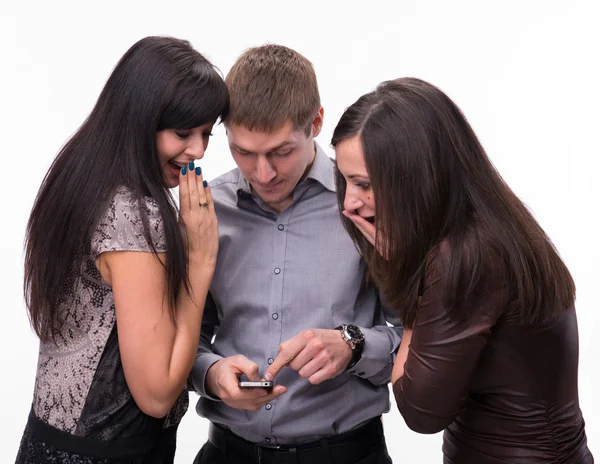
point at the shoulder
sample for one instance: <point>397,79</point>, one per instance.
<point>228,180</point>
<point>130,205</point>
<point>468,276</point>
<point>224,188</point>
<point>121,226</point>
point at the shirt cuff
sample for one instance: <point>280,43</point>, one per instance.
<point>198,375</point>
<point>376,355</point>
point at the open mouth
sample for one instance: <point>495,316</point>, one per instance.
<point>368,219</point>
<point>175,165</point>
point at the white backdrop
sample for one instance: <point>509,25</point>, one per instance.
<point>526,74</point>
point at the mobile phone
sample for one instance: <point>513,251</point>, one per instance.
<point>256,384</point>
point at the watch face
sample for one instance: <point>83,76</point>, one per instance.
<point>354,332</point>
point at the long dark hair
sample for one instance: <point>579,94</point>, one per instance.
<point>160,83</point>
<point>433,183</point>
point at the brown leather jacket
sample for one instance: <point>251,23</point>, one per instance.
<point>501,391</point>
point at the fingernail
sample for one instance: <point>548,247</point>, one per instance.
<point>198,171</point>
<point>183,170</point>
<point>268,377</point>
<point>191,165</point>
<point>205,184</point>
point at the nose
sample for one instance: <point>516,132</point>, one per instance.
<point>264,171</point>
<point>351,200</point>
<point>195,148</point>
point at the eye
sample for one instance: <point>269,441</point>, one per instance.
<point>182,135</point>
<point>207,134</point>
<point>283,153</point>
<point>363,185</point>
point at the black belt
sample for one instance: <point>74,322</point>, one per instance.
<point>345,447</point>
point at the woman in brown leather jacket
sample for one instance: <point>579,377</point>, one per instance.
<point>490,352</point>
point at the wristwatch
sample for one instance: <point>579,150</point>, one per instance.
<point>356,339</point>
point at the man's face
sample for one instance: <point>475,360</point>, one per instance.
<point>274,162</point>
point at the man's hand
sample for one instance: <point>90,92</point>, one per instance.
<point>318,354</point>
<point>222,380</point>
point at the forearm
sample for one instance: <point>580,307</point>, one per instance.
<point>170,380</point>
<point>188,323</point>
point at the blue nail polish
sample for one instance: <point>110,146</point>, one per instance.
<point>198,170</point>
<point>191,165</point>
<point>183,170</point>
<point>205,184</point>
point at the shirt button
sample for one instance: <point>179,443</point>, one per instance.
<point>277,270</point>
<point>361,373</point>
<point>268,406</point>
<point>275,316</point>
<point>267,440</point>
<point>280,227</point>
<point>270,360</point>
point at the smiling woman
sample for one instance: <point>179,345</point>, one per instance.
<point>115,282</point>
<point>176,148</point>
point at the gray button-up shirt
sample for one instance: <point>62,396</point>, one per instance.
<point>276,275</point>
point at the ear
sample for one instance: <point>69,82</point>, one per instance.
<point>317,123</point>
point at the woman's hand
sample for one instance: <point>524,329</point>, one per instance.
<point>198,214</point>
<point>367,229</point>
<point>398,370</point>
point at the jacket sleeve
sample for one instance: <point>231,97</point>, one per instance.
<point>443,353</point>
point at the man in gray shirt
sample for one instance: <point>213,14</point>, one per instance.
<point>289,298</point>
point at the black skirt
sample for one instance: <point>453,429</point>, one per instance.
<point>44,444</point>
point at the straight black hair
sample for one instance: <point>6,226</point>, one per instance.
<point>159,83</point>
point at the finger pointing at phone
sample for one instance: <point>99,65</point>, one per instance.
<point>317,354</point>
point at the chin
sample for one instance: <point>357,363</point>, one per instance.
<point>172,184</point>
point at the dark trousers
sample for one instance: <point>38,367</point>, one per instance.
<point>365,445</point>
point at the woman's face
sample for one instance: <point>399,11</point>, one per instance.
<point>177,148</point>
<point>350,161</point>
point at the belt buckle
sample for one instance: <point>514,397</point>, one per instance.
<point>269,447</point>
<point>260,449</point>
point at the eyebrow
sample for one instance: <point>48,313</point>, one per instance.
<point>271,150</point>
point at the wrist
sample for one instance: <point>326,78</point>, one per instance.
<point>200,271</point>
<point>355,339</point>
<point>200,260</point>
<point>210,383</point>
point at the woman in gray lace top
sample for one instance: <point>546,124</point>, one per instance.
<point>115,281</point>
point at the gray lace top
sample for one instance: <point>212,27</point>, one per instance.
<point>80,386</point>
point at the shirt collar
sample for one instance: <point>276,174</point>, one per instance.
<point>322,170</point>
